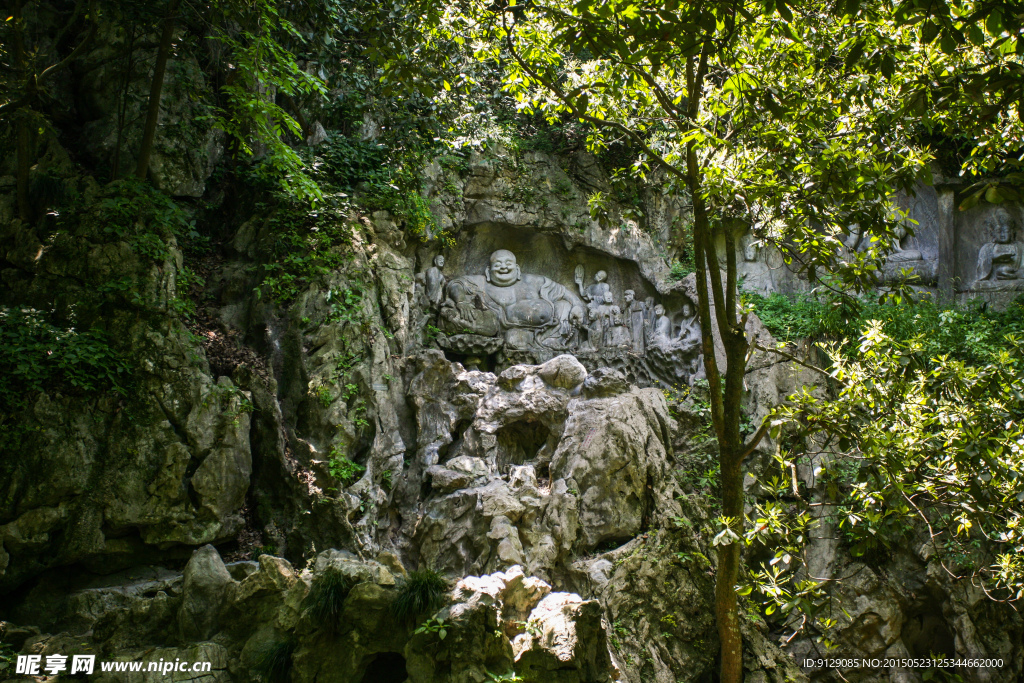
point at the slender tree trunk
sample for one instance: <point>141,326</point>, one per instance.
<point>24,133</point>
<point>122,109</point>
<point>24,147</point>
<point>726,400</point>
<point>149,133</point>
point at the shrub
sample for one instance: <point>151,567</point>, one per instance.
<point>36,355</point>
<point>326,598</point>
<point>273,663</point>
<point>424,591</point>
<point>343,469</point>
<point>970,333</point>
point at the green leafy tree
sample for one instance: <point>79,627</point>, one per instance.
<point>912,442</point>
<point>968,87</point>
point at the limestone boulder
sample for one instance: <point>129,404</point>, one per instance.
<point>613,455</point>
<point>206,584</point>
<point>564,642</point>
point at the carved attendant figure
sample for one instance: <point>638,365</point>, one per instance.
<point>1002,258</point>
<point>662,333</point>
<point>689,332</point>
<point>435,281</point>
<point>635,312</point>
<point>599,312</point>
<point>596,291</point>
<point>618,337</point>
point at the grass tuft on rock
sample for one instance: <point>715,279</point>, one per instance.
<point>423,592</point>
<point>273,663</point>
<point>326,598</point>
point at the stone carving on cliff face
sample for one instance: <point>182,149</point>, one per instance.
<point>434,281</point>
<point>523,316</point>
<point>903,254</point>
<point>901,247</point>
<point>527,310</point>
<point>689,331</point>
<point>596,291</point>
<point>1001,260</point>
<point>636,314</point>
<point>662,330</point>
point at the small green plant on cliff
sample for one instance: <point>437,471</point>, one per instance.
<point>7,657</point>
<point>307,243</point>
<point>507,677</point>
<point>343,469</point>
<point>424,591</point>
<point>38,355</point>
<point>136,212</point>
<point>326,599</point>
<point>273,662</point>
<point>433,625</point>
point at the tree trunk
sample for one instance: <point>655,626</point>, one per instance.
<point>24,134</point>
<point>726,603</point>
<point>122,107</point>
<point>149,133</point>
<point>725,401</point>
<point>24,145</point>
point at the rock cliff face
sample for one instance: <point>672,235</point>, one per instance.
<point>516,416</point>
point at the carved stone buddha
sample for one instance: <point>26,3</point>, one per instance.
<point>1000,261</point>
<point>528,309</point>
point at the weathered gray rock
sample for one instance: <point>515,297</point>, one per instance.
<point>604,462</point>
<point>205,590</point>
<point>911,608</point>
<point>614,456</point>
<point>564,643</point>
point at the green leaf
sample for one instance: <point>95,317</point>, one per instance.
<point>929,30</point>
<point>784,11</point>
<point>994,23</point>
<point>947,43</point>
<point>976,35</point>
<point>854,55</point>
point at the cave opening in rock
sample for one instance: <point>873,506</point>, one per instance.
<point>926,634</point>
<point>453,449</point>
<point>519,442</point>
<point>386,667</point>
<point>482,362</point>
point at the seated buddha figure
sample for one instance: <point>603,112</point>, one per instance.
<point>530,309</point>
<point>1001,261</point>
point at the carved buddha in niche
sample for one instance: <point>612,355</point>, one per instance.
<point>529,308</point>
<point>1000,261</point>
<point>901,247</point>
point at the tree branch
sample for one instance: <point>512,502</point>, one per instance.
<point>754,440</point>
<point>553,87</point>
<point>77,51</point>
<point>791,357</point>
